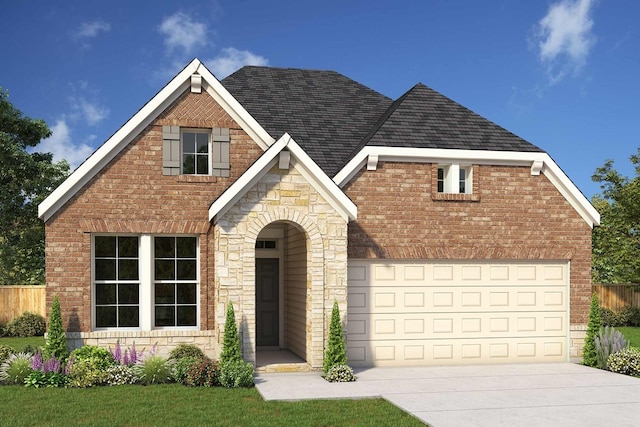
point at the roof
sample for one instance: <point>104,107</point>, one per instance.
<point>327,113</point>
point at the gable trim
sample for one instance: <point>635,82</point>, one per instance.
<point>307,168</point>
<point>132,128</point>
<point>539,162</point>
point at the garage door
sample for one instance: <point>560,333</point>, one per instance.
<point>433,313</point>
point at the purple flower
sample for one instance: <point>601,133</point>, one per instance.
<point>51,365</point>
<point>36,361</point>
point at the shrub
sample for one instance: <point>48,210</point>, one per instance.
<point>336,353</point>
<point>630,316</point>
<point>5,352</point>
<point>609,317</point>
<point>120,375</point>
<point>236,373</point>
<point>200,372</point>
<point>39,379</point>
<point>153,369</point>
<point>625,361</point>
<point>83,373</point>
<point>30,349</point>
<point>607,342</point>
<point>186,350</point>
<point>26,325</point>
<point>231,342</point>
<point>16,368</point>
<point>98,357</point>
<point>340,373</point>
<point>56,344</point>
<point>3,329</point>
<point>589,353</point>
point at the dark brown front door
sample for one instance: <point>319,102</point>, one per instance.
<point>267,302</point>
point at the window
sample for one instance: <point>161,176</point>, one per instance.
<point>175,276</point>
<point>266,244</point>
<point>454,179</point>
<point>195,153</point>
<point>145,282</point>
<point>116,282</point>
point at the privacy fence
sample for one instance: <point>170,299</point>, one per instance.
<point>15,300</point>
<point>617,297</point>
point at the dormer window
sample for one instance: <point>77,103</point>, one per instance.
<point>455,179</point>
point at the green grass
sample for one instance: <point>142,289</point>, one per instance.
<point>174,404</point>
<point>632,334</point>
<point>19,343</point>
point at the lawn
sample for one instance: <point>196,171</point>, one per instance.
<point>632,334</point>
<point>19,343</point>
<point>174,404</point>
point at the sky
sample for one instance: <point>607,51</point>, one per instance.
<point>562,74</point>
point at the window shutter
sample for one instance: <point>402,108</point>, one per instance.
<point>171,150</point>
<point>220,156</point>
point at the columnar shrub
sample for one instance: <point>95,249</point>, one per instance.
<point>335,353</point>
<point>56,344</point>
<point>625,361</point>
<point>231,341</point>
<point>16,368</point>
<point>607,342</point>
<point>589,352</point>
<point>26,325</point>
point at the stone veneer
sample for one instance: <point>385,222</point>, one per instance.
<point>281,196</point>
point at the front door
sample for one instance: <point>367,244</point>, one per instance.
<point>267,302</point>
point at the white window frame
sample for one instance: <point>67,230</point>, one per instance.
<point>452,178</point>
<point>209,151</point>
<point>146,280</point>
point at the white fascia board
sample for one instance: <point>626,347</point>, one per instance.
<point>237,112</point>
<point>499,158</point>
<point>123,136</point>
<point>248,179</point>
<point>304,164</point>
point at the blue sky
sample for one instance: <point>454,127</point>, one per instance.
<point>562,74</point>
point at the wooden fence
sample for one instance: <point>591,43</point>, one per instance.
<point>617,297</point>
<point>15,300</point>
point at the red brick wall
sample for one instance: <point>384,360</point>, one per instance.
<point>131,195</point>
<point>512,215</point>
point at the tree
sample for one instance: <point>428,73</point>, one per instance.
<point>616,243</point>
<point>26,180</point>
<point>335,353</point>
<point>231,341</point>
<point>589,351</point>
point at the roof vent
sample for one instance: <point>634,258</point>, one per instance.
<point>196,83</point>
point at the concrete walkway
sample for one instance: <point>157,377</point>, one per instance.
<point>550,394</point>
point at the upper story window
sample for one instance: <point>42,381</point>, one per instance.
<point>196,153</point>
<point>455,179</point>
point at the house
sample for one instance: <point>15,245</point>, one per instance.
<point>443,237</point>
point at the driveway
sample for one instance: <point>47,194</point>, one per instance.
<point>550,394</point>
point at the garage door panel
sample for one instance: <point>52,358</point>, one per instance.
<point>434,312</point>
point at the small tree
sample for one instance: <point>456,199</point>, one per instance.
<point>335,353</point>
<point>56,344</point>
<point>589,352</point>
<point>231,342</point>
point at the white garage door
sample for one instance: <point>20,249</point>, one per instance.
<point>432,313</point>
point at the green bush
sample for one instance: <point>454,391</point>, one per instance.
<point>608,341</point>
<point>625,361</point>
<point>236,373</point>
<point>5,352</point>
<point>120,375</point>
<point>26,325</point>
<point>16,368</point>
<point>630,316</point>
<point>201,373</point>
<point>154,369</point>
<point>340,373</point>
<point>609,317</point>
<point>39,379</point>
<point>335,353</point>
<point>231,341</point>
<point>56,344</point>
<point>84,373</point>
<point>589,352</point>
<point>3,329</point>
<point>96,356</point>
<point>186,350</point>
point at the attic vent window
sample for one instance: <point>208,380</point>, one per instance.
<point>454,179</point>
<point>266,244</point>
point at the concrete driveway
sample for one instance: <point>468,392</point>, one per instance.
<point>550,394</point>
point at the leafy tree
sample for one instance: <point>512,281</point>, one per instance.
<point>616,243</point>
<point>56,344</point>
<point>231,342</point>
<point>26,179</point>
<point>335,353</point>
<point>589,352</point>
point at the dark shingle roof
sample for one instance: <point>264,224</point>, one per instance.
<point>332,117</point>
<point>326,113</point>
<point>424,118</point>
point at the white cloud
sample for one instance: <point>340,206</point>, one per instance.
<point>183,33</point>
<point>62,147</point>
<point>91,29</point>
<point>93,113</point>
<point>565,37</point>
<point>231,59</point>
